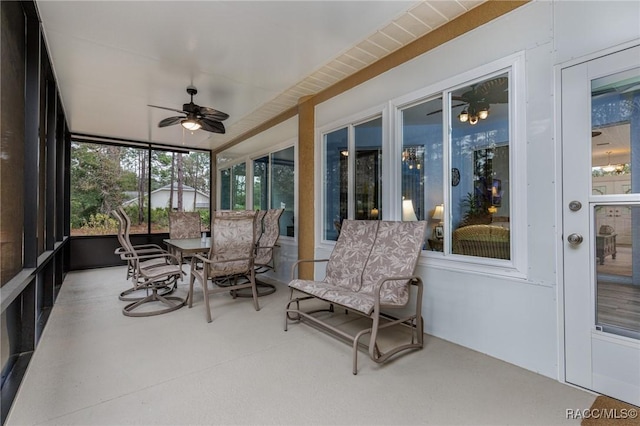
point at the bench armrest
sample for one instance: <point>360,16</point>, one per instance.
<point>411,280</point>
<point>295,265</point>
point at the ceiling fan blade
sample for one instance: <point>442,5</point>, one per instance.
<point>213,113</point>
<point>439,110</point>
<point>495,91</point>
<point>170,121</point>
<point>168,109</point>
<point>212,125</point>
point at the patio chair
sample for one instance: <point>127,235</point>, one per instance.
<point>267,242</point>
<point>152,271</point>
<point>125,253</point>
<point>153,279</point>
<point>264,261</point>
<point>184,225</point>
<point>231,257</point>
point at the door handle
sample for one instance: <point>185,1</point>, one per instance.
<point>574,239</point>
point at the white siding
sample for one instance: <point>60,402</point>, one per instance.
<point>515,320</point>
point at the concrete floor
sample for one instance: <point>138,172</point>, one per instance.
<point>94,366</point>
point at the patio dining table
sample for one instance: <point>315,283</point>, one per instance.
<point>185,247</point>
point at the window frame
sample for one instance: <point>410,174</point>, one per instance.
<point>248,161</point>
<point>514,65</point>
<point>350,123</point>
<point>392,142</point>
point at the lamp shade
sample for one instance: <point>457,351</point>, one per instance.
<point>408,213</point>
<point>438,212</point>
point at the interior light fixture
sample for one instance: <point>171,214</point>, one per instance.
<point>190,124</point>
<point>438,213</point>
<point>474,113</point>
<point>408,213</point>
<point>609,167</point>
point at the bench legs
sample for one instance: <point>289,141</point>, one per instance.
<point>414,321</point>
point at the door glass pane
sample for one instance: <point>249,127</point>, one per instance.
<point>618,269</point>
<point>336,154</point>
<point>615,132</point>
<point>368,184</point>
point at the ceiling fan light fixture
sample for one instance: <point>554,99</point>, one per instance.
<point>473,119</point>
<point>190,124</point>
<point>483,114</point>
<point>463,116</point>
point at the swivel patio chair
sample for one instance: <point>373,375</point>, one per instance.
<point>154,279</point>
<point>230,258</point>
<point>125,253</point>
<point>264,261</point>
<point>184,225</point>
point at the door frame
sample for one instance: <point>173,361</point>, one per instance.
<point>557,134</point>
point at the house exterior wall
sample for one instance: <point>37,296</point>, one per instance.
<point>160,199</point>
<point>516,319</point>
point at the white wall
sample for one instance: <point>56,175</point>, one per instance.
<point>509,318</point>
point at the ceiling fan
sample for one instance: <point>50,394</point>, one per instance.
<point>479,99</point>
<point>196,117</point>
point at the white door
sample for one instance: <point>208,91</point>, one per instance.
<point>601,224</point>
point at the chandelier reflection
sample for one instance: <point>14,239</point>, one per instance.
<point>412,157</point>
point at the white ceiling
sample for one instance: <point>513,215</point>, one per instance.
<point>250,59</point>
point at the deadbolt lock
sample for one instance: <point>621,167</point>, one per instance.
<point>574,206</point>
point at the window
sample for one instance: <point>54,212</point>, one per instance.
<point>421,162</point>
<point>273,186</point>
<point>477,152</point>
<point>450,160</point>
<point>352,175</point>
<point>233,188</point>
<point>106,176</point>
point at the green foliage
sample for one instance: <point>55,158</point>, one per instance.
<point>102,174</point>
<point>132,212</point>
<point>476,210</point>
<point>100,224</point>
<point>160,216</point>
<point>205,218</point>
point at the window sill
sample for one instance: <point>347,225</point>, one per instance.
<point>470,264</point>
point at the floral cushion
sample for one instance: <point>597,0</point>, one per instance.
<point>394,254</point>
<point>350,253</point>
<point>232,237</point>
<point>366,252</point>
<point>184,225</point>
<point>269,236</point>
